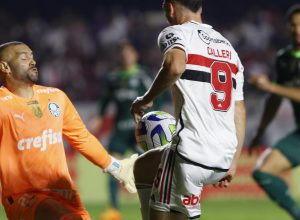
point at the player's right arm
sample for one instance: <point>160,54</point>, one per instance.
<point>172,45</point>
<point>85,143</point>
<point>172,68</point>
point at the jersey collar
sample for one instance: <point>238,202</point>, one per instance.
<point>202,24</point>
<point>34,97</point>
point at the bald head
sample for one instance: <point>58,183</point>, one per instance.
<point>17,64</point>
<point>5,49</point>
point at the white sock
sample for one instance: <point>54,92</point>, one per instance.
<point>144,192</point>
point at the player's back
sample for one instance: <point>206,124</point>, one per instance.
<point>205,94</point>
<point>31,147</point>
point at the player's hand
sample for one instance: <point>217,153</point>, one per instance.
<point>226,180</point>
<point>138,107</point>
<point>254,146</point>
<point>261,82</point>
<point>122,170</point>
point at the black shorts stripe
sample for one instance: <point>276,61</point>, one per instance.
<point>171,177</point>
<point>162,184</point>
<point>201,76</point>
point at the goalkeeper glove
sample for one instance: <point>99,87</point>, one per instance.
<point>122,170</point>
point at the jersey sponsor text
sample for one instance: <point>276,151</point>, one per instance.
<point>47,138</point>
<point>192,200</point>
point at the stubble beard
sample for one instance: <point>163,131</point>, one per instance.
<point>32,77</point>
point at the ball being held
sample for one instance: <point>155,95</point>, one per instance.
<point>155,129</point>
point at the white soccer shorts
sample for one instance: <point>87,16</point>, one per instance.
<point>178,185</point>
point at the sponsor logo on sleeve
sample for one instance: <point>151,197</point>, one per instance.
<point>169,36</point>
<point>170,39</point>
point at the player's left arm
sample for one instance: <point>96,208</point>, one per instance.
<point>239,119</point>
<point>263,82</point>
<point>173,66</point>
<point>86,144</point>
<point>287,92</point>
<point>240,126</point>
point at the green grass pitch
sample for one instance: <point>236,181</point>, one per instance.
<point>92,185</point>
<point>219,209</point>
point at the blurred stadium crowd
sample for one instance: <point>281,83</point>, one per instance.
<point>76,49</point>
<point>75,52</point>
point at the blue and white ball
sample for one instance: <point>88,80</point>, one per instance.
<point>155,129</point>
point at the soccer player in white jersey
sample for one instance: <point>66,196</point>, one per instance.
<point>206,77</point>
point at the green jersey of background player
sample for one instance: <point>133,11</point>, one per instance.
<point>285,154</point>
<point>121,87</point>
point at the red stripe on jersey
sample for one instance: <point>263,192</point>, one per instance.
<point>196,59</point>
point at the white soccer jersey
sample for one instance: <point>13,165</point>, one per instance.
<point>205,95</point>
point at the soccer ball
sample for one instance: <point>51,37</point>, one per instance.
<point>155,129</point>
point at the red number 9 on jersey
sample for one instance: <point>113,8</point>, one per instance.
<point>221,87</point>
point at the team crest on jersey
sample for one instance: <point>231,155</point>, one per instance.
<point>54,109</point>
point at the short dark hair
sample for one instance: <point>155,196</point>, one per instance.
<point>295,9</point>
<point>4,46</point>
<point>193,5</point>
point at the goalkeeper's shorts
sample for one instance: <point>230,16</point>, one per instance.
<point>24,206</point>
